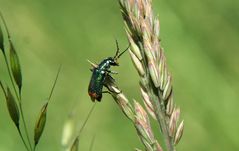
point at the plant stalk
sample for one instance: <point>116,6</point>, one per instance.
<point>17,95</point>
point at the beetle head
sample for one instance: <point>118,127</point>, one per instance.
<point>112,61</point>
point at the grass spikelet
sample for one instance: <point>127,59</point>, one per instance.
<point>75,145</point>
<point>13,108</point>
<point>179,133</point>
<point>125,106</point>
<point>138,65</point>
<point>40,124</point>
<point>120,98</point>
<point>1,39</point>
<point>15,66</point>
<point>148,104</point>
<point>41,121</point>
<point>142,122</point>
<point>11,105</point>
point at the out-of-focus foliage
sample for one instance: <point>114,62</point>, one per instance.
<point>200,39</point>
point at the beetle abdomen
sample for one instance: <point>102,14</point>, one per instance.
<point>96,85</point>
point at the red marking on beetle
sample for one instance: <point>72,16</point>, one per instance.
<point>93,96</point>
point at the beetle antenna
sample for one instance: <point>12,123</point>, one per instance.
<point>123,51</point>
<point>117,48</point>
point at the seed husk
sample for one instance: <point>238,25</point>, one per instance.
<point>40,124</point>
<point>1,40</point>
<point>12,108</point>
<point>138,65</point>
<point>75,144</point>
<point>179,133</point>
<point>15,66</point>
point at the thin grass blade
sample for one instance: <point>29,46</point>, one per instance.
<point>54,84</point>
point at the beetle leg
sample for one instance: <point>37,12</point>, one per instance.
<point>109,79</point>
<point>112,72</point>
<point>111,91</point>
<point>109,82</point>
<point>106,92</point>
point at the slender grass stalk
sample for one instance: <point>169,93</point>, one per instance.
<point>74,145</point>
<point>86,120</point>
<point>24,123</point>
<point>92,143</point>
<point>23,140</point>
<point>54,84</point>
<point>18,95</point>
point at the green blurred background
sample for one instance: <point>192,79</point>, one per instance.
<point>201,41</point>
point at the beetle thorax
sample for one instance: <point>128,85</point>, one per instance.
<point>105,64</point>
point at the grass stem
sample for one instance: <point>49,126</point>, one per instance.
<point>18,95</point>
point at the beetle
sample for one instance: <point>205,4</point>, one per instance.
<point>100,73</point>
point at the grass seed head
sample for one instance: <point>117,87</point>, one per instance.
<point>142,28</point>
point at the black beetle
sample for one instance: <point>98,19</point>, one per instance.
<point>99,74</point>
